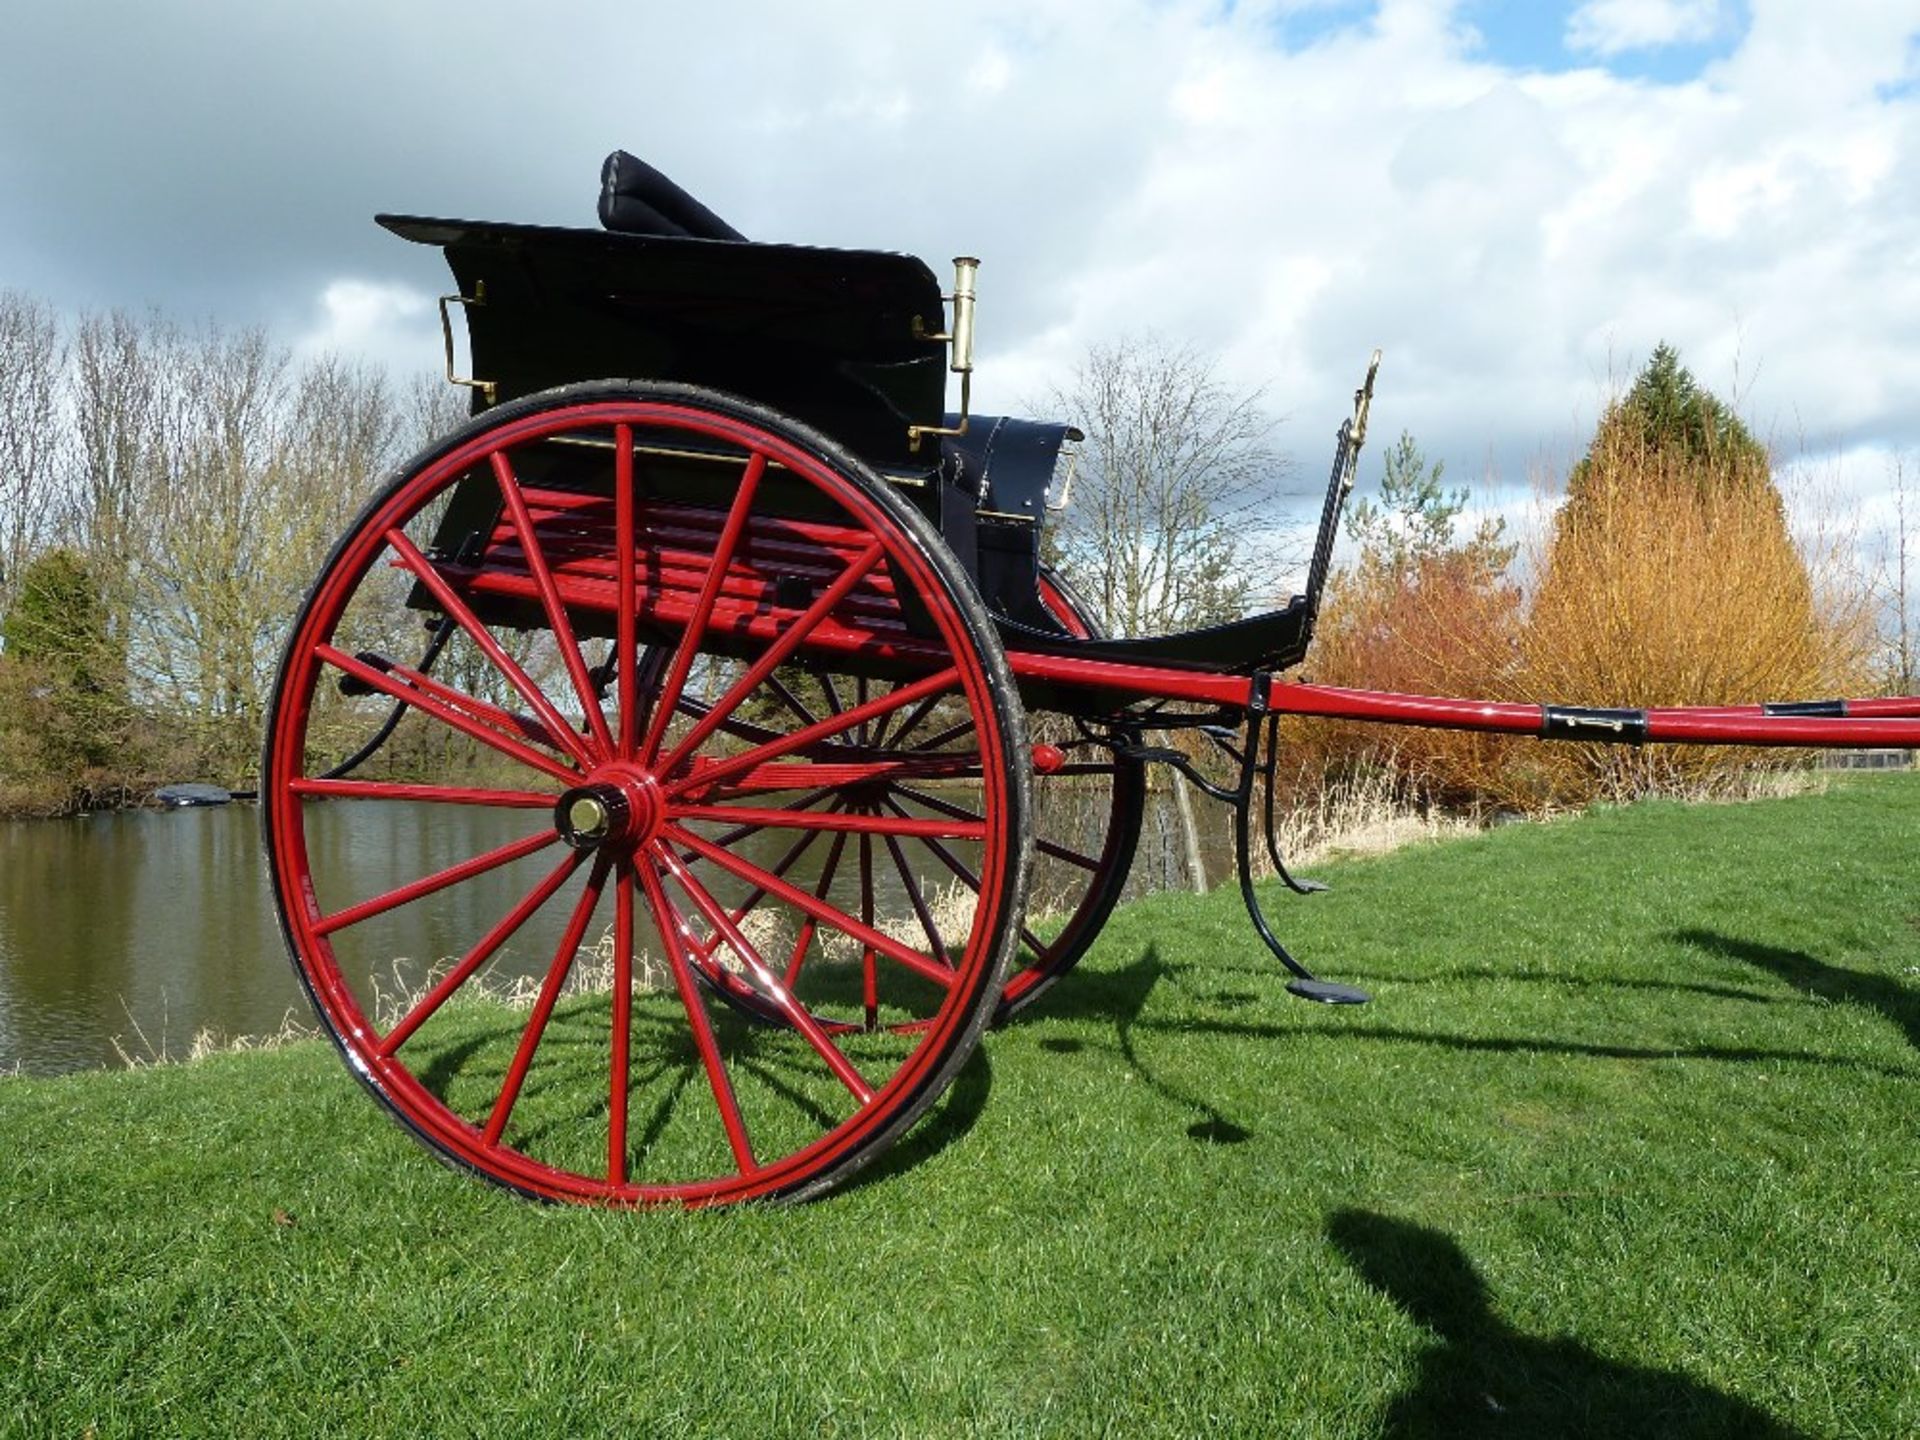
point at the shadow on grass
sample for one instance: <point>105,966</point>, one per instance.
<point>1483,1377</point>
<point>1571,982</point>
<point>1121,997</point>
<point>1899,1003</point>
<point>952,1116</point>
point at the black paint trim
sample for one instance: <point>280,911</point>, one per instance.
<point>1810,709</point>
<point>1577,722</point>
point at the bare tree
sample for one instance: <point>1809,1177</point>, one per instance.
<point>30,364</point>
<point>257,469</point>
<point>1171,522</point>
<point>429,408</point>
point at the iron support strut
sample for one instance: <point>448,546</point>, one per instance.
<point>1305,984</point>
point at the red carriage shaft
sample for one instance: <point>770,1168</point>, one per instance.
<point>1892,723</point>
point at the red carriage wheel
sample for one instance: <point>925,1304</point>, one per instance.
<point>506,916</point>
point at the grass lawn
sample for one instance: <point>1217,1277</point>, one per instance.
<point>1624,1146</point>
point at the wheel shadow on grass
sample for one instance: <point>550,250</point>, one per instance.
<point>1485,1378</point>
<point>1899,1003</point>
<point>950,1117</point>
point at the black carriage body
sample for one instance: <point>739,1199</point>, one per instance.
<point>832,338</point>
<point>846,341</point>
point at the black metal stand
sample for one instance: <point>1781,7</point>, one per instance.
<point>1306,985</point>
<point>1248,757</point>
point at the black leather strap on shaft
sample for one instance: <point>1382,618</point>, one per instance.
<point>1608,727</point>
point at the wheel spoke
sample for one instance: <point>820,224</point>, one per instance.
<point>420,794</point>
<point>795,1014</point>
<point>1062,852</point>
<point>960,812</point>
<point>429,884</point>
<point>626,642</point>
<point>952,732</point>
<point>481,952</point>
<point>947,857</point>
<point>536,1027</point>
<point>521,725</point>
<point>820,909</point>
<point>672,928</point>
<point>829,692</point>
<point>784,694</point>
<point>869,970</point>
<point>832,820</point>
<point>449,601</point>
<point>688,647</point>
<point>837,774</point>
<point>916,899</point>
<point>446,715</point>
<point>741,832</point>
<point>785,863</point>
<point>910,723</point>
<point>550,601</point>
<point>809,924</point>
<point>799,739</point>
<point>775,654</point>
<point>967,877</point>
<point>620,1069</point>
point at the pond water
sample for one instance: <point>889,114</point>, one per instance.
<point>131,932</point>
<point>117,924</point>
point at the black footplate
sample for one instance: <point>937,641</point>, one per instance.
<point>1325,992</point>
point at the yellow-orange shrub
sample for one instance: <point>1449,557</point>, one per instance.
<point>1672,579</point>
<point>1443,625</point>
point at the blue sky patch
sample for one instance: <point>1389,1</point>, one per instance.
<point>1301,29</point>
<point>1529,35</point>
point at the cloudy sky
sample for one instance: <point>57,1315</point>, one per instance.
<point>1515,198</point>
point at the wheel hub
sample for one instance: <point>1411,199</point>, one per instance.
<point>615,809</point>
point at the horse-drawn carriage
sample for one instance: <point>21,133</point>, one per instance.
<point>747,645</point>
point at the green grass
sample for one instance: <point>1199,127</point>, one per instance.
<point>1624,1146</point>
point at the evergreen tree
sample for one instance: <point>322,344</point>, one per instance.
<point>1415,520</point>
<point>1670,425</point>
<point>63,682</point>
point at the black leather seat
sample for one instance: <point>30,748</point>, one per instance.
<point>636,199</point>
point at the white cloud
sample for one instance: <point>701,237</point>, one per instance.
<point>1517,239</point>
<point>385,323</point>
<point>990,73</point>
<point>1615,27</point>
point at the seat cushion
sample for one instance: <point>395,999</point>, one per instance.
<point>637,199</point>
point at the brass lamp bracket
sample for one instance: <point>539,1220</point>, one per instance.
<point>1066,484</point>
<point>489,390</point>
<point>1363,402</point>
<point>965,267</point>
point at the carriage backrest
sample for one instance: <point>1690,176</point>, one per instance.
<point>833,338</point>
